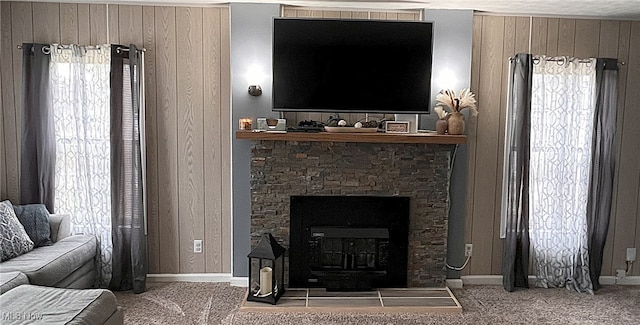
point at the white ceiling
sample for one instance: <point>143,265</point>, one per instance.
<point>612,9</point>
<point>623,9</point>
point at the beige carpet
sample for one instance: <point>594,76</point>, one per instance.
<point>217,303</point>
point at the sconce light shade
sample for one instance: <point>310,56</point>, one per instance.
<point>255,90</point>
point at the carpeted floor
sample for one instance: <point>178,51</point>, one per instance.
<point>218,303</point>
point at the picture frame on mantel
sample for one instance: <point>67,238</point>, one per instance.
<point>397,127</point>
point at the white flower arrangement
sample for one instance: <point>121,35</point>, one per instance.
<point>466,99</point>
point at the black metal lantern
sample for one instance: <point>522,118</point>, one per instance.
<point>266,271</point>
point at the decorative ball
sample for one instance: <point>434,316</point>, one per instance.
<point>342,123</point>
<point>357,125</point>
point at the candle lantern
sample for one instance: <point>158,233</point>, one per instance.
<point>266,271</point>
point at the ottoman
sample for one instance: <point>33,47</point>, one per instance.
<point>29,304</point>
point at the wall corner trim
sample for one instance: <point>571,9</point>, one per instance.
<point>240,281</point>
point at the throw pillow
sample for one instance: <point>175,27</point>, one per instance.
<point>35,220</point>
<point>14,241</point>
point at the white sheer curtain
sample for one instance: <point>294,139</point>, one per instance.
<point>80,96</point>
<point>562,110</point>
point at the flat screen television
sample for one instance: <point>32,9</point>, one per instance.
<point>367,66</point>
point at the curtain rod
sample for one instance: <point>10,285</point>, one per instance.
<point>47,48</point>
<point>563,59</point>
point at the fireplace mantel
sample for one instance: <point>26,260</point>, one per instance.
<point>377,137</point>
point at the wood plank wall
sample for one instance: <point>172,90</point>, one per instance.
<point>495,38</point>
<point>187,78</point>
<point>294,117</point>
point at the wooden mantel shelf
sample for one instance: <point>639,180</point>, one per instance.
<point>378,137</point>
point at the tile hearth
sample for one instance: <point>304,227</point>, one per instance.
<point>412,300</point>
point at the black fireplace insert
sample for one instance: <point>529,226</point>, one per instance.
<point>345,243</point>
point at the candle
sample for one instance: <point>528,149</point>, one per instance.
<point>265,281</point>
<point>245,124</point>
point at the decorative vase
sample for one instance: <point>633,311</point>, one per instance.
<point>456,123</point>
<point>441,126</point>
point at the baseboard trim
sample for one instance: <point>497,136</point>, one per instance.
<point>454,283</point>
<point>497,280</point>
<point>190,277</point>
<point>240,281</point>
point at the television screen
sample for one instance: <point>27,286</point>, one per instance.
<point>325,65</point>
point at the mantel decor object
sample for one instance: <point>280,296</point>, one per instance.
<point>266,271</point>
<point>455,104</point>
<point>397,127</point>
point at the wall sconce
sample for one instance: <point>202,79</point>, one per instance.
<point>255,76</point>
<point>255,90</point>
<point>446,79</point>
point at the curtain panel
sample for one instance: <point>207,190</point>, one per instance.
<point>603,164</point>
<point>127,190</point>
<point>515,263</point>
<point>38,147</point>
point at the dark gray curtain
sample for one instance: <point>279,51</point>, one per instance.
<point>127,205</point>
<point>602,164</point>
<point>38,146</point>
<point>515,259</point>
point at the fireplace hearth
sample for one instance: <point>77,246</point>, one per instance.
<point>281,170</point>
<point>345,243</point>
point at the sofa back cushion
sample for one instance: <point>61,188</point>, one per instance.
<point>14,241</point>
<point>35,220</point>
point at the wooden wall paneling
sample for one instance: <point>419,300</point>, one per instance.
<point>409,16</point>
<point>166,110</point>
<point>345,14</point>
<point>378,15</point>
<point>98,24</point>
<point>212,149</point>
<point>522,35</point>
<point>190,137</point>
<point>21,32</point>
<point>608,47</point>
<point>512,35</point>
<point>225,137</point>
<point>130,30</point>
<point>69,23</point>
<point>113,23</point>
<point>6,88</point>
<point>624,33</point>
<point>539,36</point>
<point>487,139</point>
<point>586,38</point>
<point>359,15</point>
<point>330,14</point>
<point>566,36</point>
<point>84,24</point>
<point>392,16</point>
<point>635,84</point>
<point>289,12</point>
<point>151,138</point>
<point>608,36</point>
<point>46,22</point>
<point>472,131</point>
<point>628,182</point>
<point>552,37</point>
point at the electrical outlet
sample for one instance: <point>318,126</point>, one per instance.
<point>197,246</point>
<point>468,249</point>
<point>631,254</point>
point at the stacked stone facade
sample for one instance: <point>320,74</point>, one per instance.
<point>280,169</point>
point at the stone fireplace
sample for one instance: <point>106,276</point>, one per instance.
<point>417,171</point>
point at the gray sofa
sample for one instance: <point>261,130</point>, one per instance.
<point>39,287</point>
<point>68,263</point>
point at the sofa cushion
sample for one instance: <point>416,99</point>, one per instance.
<point>11,280</point>
<point>14,241</point>
<point>48,265</point>
<point>59,306</point>
<point>35,220</point>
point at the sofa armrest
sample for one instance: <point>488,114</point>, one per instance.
<point>60,226</point>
